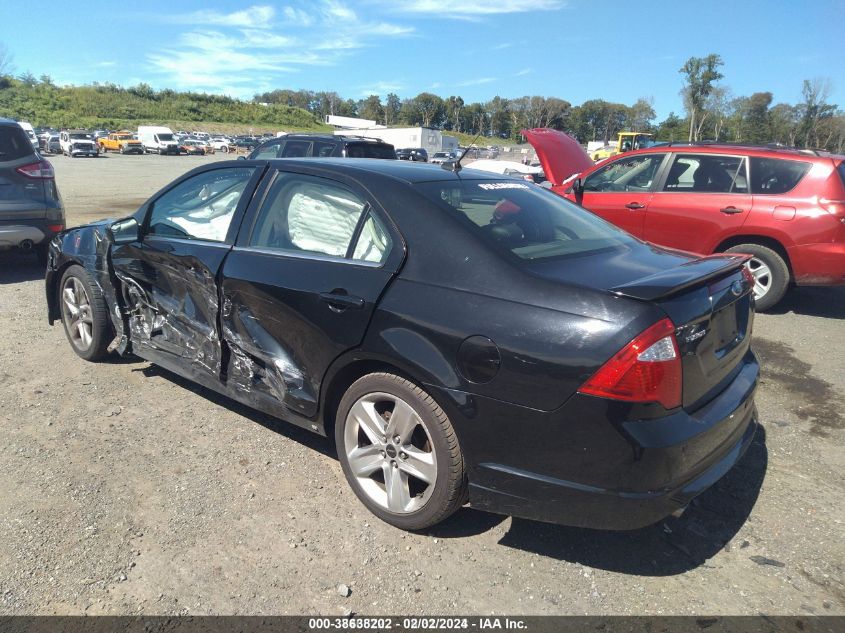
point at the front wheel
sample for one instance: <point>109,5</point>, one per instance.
<point>84,314</point>
<point>399,452</point>
<point>771,274</point>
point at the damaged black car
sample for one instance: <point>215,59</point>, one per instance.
<point>464,338</point>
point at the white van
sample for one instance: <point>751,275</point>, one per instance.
<point>30,133</point>
<point>157,139</point>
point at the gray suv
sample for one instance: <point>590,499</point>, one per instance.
<point>31,210</point>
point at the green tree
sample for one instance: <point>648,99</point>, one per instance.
<point>641,114</point>
<point>672,128</point>
<point>392,107</point>
<point>430,108</point>
<point>371,108</point>
<point>700,73</point>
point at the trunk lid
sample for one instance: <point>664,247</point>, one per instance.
<point>559,154</point>
<point>709,300</point>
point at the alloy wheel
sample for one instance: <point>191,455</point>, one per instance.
<point>77,315</point>
<point>762,277</point>
<point>390,453</point>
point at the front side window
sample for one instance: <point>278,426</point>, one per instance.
<point>304,214</point>
<point>632,173</point>
<point>524,219</point>
<point>776,175</point>
<point>707,173</point>
<point>268,151</point>
<point>201,207</point>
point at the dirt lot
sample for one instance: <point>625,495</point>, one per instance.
<point>128,490</point>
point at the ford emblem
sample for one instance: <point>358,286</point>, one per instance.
<point>736,288</point>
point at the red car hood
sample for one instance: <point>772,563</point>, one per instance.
<point>559,154</point>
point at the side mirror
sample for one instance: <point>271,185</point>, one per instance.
<point>124,231</point>
<point>241,157</point>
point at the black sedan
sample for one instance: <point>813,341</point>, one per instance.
<point>464,336</point>
<point>414,154</point>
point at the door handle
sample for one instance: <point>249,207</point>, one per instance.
<point>339,301</point>
<point>634,206</point>
<point>730,210</point>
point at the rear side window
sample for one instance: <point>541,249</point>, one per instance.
<point>296,149</point>
<point>14,143</point>
<point>303,214</point>
<point>842,172</point>
<point>707,173</point>
<point>370,150</point>
<point>526,220</point>
<point>776,175</point>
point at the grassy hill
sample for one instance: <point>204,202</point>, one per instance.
<point>109,106</point>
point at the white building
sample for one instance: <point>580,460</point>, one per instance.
<point>429,139</point>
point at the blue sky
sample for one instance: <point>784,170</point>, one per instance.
<point>616,50</point>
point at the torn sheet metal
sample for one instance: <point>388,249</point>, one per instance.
<point>179,316</point>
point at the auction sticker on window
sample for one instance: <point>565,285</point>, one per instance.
<point>490,186</point>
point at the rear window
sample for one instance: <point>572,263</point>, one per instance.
<point>525,220</point>
<point>842,172</point>
<point>14,143</point>
<point>370,150</point>
<point>776,175</point>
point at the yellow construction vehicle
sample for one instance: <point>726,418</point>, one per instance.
<point>627,142</point>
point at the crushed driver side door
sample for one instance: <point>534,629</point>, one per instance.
<point>168,277</point>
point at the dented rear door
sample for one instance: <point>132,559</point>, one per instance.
<point>168,278</point>
<point>300,286</point>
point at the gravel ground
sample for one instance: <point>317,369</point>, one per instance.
<point>128,490</point>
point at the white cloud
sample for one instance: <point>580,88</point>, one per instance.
<point>466,10</point>
<point>297,16</point>
<point>476,82</point>
<point>524,71</point>
<point>257,16</point>
<point>381,88</point>
<point>106,64</point>
<point>225,51</point>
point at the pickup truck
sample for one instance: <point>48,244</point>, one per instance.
<point>120,142</point>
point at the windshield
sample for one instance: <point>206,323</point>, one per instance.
<point>526,220</point>
<point>123,137</point>
<point>165,137</point>
<point>80,135</point>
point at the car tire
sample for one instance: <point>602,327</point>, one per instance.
<point>411,476</point>
<point>771,274</point>
<point>84,314</point>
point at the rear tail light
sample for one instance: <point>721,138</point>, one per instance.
<point>748,276</point>
<point>42,169</point>
<point>56,228</point>
<point>648,369</point>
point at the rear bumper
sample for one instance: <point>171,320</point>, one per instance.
<point>818,264</point>
<point>14,235</point>
<point>593,464</point>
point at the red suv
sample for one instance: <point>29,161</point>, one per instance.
<point>785,207</point>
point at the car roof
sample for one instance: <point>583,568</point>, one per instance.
<point>397,169</point>
<point>733,148</point>
<point>333,137</point>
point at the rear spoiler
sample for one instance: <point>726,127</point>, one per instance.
<point>675,280</point>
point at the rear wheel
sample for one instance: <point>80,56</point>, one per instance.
<point>399,452</point>
<point>771,274</point>
<point>84,314</point>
